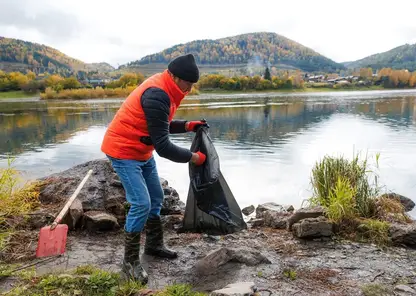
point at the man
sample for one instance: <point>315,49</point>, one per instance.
<point>141,125</point>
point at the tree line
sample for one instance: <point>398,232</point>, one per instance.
<point>386,77</point>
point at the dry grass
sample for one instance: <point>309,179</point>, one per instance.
<point>87,93</point>
<point>18,246</point>
<point>391,210</point>
<point>16,201</point>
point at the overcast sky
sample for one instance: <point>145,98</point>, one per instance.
<point>124,30</point>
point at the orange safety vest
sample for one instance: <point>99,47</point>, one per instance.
<point>122,138</point>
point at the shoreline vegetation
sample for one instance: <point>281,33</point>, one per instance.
<point>53,86</point>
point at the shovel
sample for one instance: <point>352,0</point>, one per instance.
<point>52,239</point>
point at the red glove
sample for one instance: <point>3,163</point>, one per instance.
<point>194,125</point>
<point>201,159</point>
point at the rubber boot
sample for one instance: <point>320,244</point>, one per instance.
<point>154,240</point>
<point>131,262</point>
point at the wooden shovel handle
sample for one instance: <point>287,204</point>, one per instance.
<point>70,200</point>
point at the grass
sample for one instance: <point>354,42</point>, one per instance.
<point>343,187</point>
<point>16,201</point>
<point>86,93</point>
<point>92,93</point>
<point>348,189</point>
<point>88,280</point>
<point>17,94</point>
<point>375,231</point>
<point>376,290</point>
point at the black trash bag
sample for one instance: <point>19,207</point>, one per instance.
<point>211,207</point>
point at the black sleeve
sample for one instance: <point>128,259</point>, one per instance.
<point>177,127</point>
<point>156,107</point>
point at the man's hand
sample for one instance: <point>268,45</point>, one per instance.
<point>198,158</point>
<point>194,125</point>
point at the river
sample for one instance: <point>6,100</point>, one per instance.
<point>267,143</point>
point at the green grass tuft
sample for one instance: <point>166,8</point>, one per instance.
<point>346,183</point>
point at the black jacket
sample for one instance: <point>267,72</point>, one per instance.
<point>156,107</point>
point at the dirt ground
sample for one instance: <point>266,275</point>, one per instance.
<point>320,267</point>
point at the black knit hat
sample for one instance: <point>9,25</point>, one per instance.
<point>185,68</point>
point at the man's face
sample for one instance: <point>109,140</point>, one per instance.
<point>185,86</point>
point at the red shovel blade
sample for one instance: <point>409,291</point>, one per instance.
<point>52,242</point>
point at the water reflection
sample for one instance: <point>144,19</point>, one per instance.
<point>267,144</point>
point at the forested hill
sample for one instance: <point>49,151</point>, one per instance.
<point>19,55</point>
<point>402,57</point>
<point>265,48</point>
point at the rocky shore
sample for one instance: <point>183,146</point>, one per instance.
<point>284,250</point>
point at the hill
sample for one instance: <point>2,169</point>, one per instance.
<point>19,55</point>
<point>244,50</point>
<point>402,57</point>
<point>99,67</point>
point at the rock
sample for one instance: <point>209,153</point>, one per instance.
<point>404,288</point>
<point>256,222</point>
<point>40,218</point>
<point>275,219</point>
<point>407,203</point>
<point>74,214</point>
<point>236,289</point>
<point>163,182</point>
<point>93,196</point>
<point>99,221</point>
<point>172,222</point>
<point>313,227</point>
<point>403,234</point>
<point>221,256</point>
<point>103,191</point>
<point>305,213</point>
<point>248,210</point>
<point>273,207</point>
<point>172,205</point>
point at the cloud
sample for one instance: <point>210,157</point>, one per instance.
<point>51,23</point>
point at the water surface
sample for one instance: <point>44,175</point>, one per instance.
<point>267,143</point>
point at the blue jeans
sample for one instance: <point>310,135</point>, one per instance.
<point>144,192</point>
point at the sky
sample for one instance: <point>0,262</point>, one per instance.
<point>121,31</point>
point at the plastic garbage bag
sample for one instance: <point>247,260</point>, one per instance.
<point>211,207</point>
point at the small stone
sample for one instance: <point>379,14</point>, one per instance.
<point>74,214</point>
<point>163,182</point>
<point>248,210</point>
<point>221,256</point>
<point>256,222</point>
<point>236,289</point>
<point>172,222</point>
<point>313,228</point>
<point>270,206</point>
<point>305,213</point>
<point>99,221</point>
<point>275,219</point>
<point>404,288</point>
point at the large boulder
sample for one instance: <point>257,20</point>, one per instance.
<point>313,228</point>
<point>102,192</point>
<point>407,203</point>
<point>94,195</point>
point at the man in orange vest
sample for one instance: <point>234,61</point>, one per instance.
<point>141,125</point>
